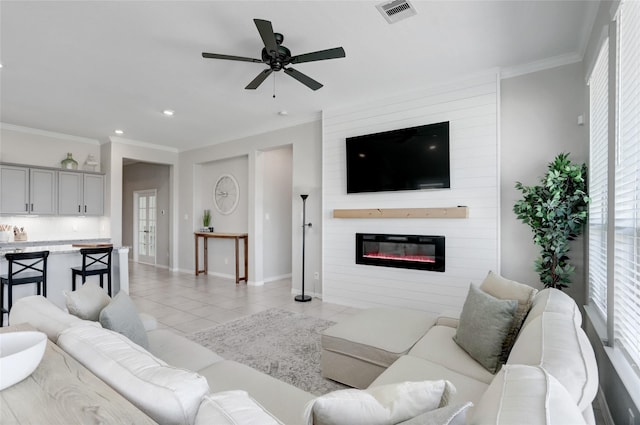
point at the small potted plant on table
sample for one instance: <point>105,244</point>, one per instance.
<point>206,221</point>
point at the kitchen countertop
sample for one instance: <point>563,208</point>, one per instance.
<point>54,247</point>
<point>5,245</point>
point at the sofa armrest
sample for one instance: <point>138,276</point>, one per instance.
<point>449,318</point>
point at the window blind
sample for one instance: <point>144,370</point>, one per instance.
<point>598,157</point>
<point>627,186</point>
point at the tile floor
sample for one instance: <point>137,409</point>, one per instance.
<point>187,303</point>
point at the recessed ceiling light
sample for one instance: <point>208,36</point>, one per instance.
<point>0,65</point>
<point>283,113</point>
<point>168,112</point>
<point>119,132</point>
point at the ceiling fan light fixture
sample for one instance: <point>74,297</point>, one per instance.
<point>277,57</point>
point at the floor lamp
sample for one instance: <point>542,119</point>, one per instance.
<point>303,298</point>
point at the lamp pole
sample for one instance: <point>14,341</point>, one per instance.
<point>303,298</point>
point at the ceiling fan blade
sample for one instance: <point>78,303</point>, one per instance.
<point>268,38</point>
<point>259,79</point>
<point>229,57</point>
<point>336,52</point>
<point>304,79</point>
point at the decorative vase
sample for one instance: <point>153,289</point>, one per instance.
<point>90,164</point>
<point>69,163</point>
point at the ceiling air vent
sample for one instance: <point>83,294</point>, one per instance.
<point>397,10</point>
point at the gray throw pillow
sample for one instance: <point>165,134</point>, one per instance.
<point>484,324</point>
<point>506,289</point>
<point>121,316</point>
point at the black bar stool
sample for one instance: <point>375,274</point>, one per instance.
<point>23,268</point>
<point>95,261</point>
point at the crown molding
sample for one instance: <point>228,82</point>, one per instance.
<point>540,65</point>
<point>138,143</point>
<point>45,133</point>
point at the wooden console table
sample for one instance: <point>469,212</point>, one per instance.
<point>235,236</point>
<point>63,391</point>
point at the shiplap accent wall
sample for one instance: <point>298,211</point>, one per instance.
<point>472,244</point>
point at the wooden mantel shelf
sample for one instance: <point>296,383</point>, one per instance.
<point>451,212</point>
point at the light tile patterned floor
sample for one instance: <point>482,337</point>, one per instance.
<point>187,303</point>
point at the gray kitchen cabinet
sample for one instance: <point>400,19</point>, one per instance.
<point>93,194</point>
<point>25,190</point>
<point>80,193</point>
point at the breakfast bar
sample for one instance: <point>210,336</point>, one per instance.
<point>62,256</point>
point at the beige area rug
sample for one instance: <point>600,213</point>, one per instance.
<point>281,343</point>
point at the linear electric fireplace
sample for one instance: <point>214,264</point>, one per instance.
<point>403,251</point>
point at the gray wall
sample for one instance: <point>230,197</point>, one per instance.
<point>221,251</point>
<point>539,114</point>
<point>305,141</point>
<point>277,213</point>
<point>146,176</point>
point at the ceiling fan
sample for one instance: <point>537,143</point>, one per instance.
<point>278,57</point>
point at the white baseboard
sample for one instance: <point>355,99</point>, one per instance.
<point>276,278</point>
<point>312,294</point>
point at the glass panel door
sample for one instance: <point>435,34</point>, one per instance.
<point>146,227</point>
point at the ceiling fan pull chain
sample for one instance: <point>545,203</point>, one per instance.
<point>274,85</point>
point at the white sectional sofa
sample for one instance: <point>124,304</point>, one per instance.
<point>174,375</point>
<point>550,376</point>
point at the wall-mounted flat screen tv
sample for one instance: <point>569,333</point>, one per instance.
<point>408,159</point>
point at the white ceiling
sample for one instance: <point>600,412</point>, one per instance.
<point>85,68</point>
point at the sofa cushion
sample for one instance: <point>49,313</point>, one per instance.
<point>379,335</point>
<point>553,341</point>
<point>381,405</point>
<point>233,408</point>
<point>439,347</point>
<point>484,324</point>
<point>167,394</point>
<point>506,289</point>
<point>121,316</point>
<point>525,395</point>
<point>45,316</point>
<point>454,414</point>
<point>282,400</point>
<point>410,368</point>
<point>87,301</point>
<point>180,352</point>
<point>554,301</point>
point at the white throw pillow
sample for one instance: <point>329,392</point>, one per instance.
<point>87,301</point>
<point>382,405</point>
<point>169,395</point>
<point>454,414</point>
<point>233,408</point>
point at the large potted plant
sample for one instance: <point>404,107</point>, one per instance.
<point>555,210</point>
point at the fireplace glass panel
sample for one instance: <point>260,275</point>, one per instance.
<point>402,251</point>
